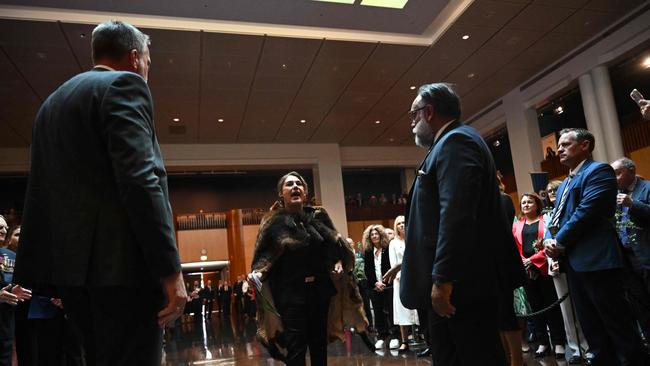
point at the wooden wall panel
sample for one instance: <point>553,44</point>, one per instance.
<point>250,235</point>
<point>642,159</point>
<point>190,243</point>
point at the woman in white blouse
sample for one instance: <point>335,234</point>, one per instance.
<point>402,316</point>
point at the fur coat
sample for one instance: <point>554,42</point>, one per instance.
<point>279,231</point>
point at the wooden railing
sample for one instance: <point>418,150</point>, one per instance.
<point>201,221</point>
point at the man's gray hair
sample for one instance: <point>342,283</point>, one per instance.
<point>442,97</point>
<point>626,163</point>
<point>115,39</point>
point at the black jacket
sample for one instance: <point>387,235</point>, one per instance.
<point>369,265</point>
<point>455,224</point>
<point>96,210</point>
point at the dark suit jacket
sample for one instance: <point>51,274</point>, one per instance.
<point>455,224</point>
<point>639,214</point>
<point>587,229</point>
<point>97,211</point>
<point>369,265</point>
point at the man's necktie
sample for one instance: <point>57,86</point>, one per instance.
<point>622,229</point>
<point>555,219</point>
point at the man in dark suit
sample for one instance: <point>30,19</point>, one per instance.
<point>633,202</point>
<point>582,225</point>
<point>226,294</point>
<point>97,224</point>
<point>457,240</point>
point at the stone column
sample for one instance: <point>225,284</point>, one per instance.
<point>592,116</point>
<point>330,181</point>
<point>608,115</point>
<point>525,140</point>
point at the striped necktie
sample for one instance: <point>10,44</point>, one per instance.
<point>555,219</point>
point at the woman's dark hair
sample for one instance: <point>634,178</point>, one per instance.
<point>383,237</point>
<point>535,197</point>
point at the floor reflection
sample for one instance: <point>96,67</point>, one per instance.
<point>223,342</point>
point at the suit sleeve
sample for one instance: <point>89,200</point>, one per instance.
<point>128,134</point>
<point>640,210</point>
<point>596,207</point>
<point>459,171</point>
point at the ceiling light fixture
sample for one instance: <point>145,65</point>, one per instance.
<point>393,4</point>
<point>465,37</point>
<point>496,143</point>
<point>558,110</point>
<point>176,119</point>
<point>412,87</point>
<point>303,121</point>
<point>377,122</point>
<point>646,63</point>
<point>220,120</point>
<point>338,1</point>
<point>471,75</point>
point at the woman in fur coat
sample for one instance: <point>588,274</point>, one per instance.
<point>302,274</point>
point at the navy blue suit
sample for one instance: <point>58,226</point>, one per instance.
<point>456,232</point>
<point>639,214</point>
<point>595,261</point>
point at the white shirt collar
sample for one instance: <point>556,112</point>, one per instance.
<point>442,129</point>
<point>577,169</point>
<point>104,67</point>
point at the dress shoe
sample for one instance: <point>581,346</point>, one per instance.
<point>425,353</point>
<point>393,344</point>
<point>542,353</point>
<point>575,360</point>
<point>379,344</point>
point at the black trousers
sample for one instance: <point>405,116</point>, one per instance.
<point>117,325</point>
<point>637,291</point>
<point>382,304</point>
<point>472,332</point>
<point>305,326</point>
<point>365,296</point>
<point>7,316</point>
<point>208,309</point>
<point>541,293</point>
<point>605,317</point>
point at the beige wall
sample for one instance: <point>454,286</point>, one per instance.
<point>190,243</point>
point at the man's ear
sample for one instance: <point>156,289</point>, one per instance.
<point>133,59</point>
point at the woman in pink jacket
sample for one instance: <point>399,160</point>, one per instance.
<point>529,233</point>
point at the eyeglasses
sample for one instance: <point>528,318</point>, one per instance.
<point>414,113</point>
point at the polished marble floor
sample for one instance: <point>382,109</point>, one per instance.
<point>224,342</point>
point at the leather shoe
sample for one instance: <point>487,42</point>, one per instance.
<point>425,353</point>
<point>575,360</point>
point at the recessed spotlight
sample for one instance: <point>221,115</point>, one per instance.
<point>646,63</point>
<point>465,37</point>
<point>204,258</point>
<point>284,66</point>
<point>412,87</point>
<point>176,119</point>
<point>82,35</point>
<point>303,121</point>
<point>377,122</point>
<point>220,120</point>
<point>558,110</point>
<point>496,143</point>
<point>391,139</point>
<point>471,75</point>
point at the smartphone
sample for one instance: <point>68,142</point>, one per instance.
<point>636,96</point>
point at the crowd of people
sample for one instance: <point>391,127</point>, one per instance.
<point>223,299</point>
